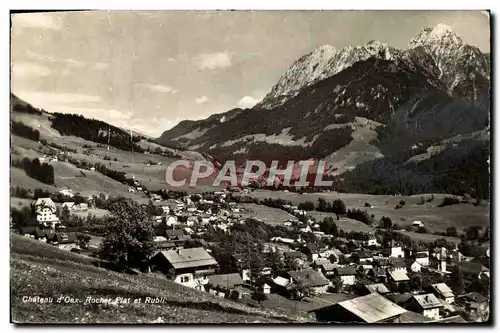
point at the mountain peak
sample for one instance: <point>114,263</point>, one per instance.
<point>435,34</point>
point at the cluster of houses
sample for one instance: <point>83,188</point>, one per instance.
<point>318,269</point>
<point>49,228</point>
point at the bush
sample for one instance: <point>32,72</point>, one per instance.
<point>360,215</point>
<point>448,201</point>
<point>422,230</point>
<point>338,207</point>
<point>402,202</point>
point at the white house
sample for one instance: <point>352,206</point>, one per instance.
<point>417,224</point>
<point>171,221</point>
<point>67,192</point>
<point>397,251</point>
<point>416,267</point>
<point>45,211</point>
<point>422,259</point>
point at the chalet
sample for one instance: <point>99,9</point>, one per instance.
<point>176,235</point>
<point>422,258</point>
<point>416,267</point>
<point>377,274</point>
<point>397,252</point>
<point>188,267</point>
<point>442,291</point>
<point>365,256</point>
<point>398,276</point>
<point>347,274</point>
<point>45,212</point>
<point>397,264</point>
<point>82,207</point>
<point>315,281</point>
<point>376,288</point>
<point>476,305</point>
<point>328,269</point>
<point>62,240</point>
<point>221,283</point>
<point>427,305</point>
<point>311,250</point>
<point>369,309</point>
<point>310,278</point>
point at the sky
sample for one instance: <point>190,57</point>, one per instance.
<point>149,70</point>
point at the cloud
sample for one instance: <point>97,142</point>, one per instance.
<point>66,61</point>
<point>202,100</point>
<point>214,60</point>
<point>158,88</point>
<point>47,100</point>
<point>36,20</point>
<point>247,102</point>
<point>171,60</point>
<point>27,69</point>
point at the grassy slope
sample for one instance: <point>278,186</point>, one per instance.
<point>435,218</point>
<point>39,269</point>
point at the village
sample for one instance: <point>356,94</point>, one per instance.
<point>207,242</point>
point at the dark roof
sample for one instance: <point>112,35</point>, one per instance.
<point>293,254</point>
<point>399,298</point>
<point>413,317</point>
<point>471,267</point>
<point>397,262</point>
<point>65,237</point>
<point>228,281</point>
<point>346,270</point>
<point>421,255</point>
<point>309,278</point>
<point>427,301</point>
<point>174,233</point>
<point>311,247</point>
<point>365,254</point>
<point>474,297</point>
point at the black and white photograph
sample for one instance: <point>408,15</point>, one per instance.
<point>283,167</point>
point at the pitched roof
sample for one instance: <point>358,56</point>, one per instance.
<point>397,262</point>
<point>372,308</point>
<point>281,281</point>
<point>472,267</point>
<point>399,298</point>
<point>399,276</point>
<point>309,278</point>
<point>421,255</point>
<point>443,289</point>
<point>474,297</point>
<point>44,202</point>
<point>377,288</point>
<point>427,301</point>
<point>346,270</point>
<point>187,258</point>
<point>228,281</point>
<point>413,317</point>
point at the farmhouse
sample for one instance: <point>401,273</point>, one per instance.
<point>427,305</point>
<point>188,267</point>
<point>45,212</point>
<point>223,282</point>
<point>372,308</point>
<point>442,291</point>
<point>347,274</point>
<point>377,288</point>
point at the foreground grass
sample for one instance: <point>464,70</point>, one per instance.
<point>41,270</point>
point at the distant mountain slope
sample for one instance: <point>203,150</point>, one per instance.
<point>357,105</point>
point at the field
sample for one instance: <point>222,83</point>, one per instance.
<point>268,215</point>
<point>38,269</point>
<point>434,218</point>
